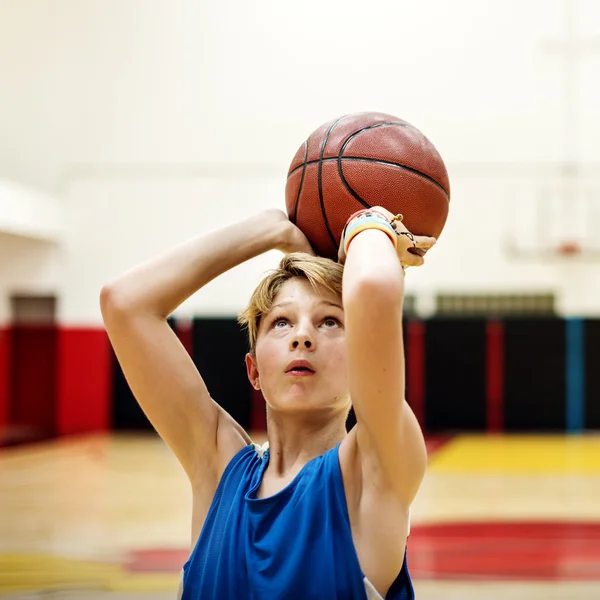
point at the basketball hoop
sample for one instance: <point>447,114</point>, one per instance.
<point>568,249</point>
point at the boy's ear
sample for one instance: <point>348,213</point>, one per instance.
<point>252,370</point>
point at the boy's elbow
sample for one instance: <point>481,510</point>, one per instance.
<point>113,301</point>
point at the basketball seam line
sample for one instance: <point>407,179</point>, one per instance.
<point>387,123</point>
<point>295,217</point>
<point>375,160</point>
<point>320,183</point>
<point>349,188</point>
<point>341,175</point>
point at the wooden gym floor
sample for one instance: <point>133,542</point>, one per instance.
<point>108,517</point>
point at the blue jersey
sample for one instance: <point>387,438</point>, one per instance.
<point>294,544</point>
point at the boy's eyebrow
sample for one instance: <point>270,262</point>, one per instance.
<point>328,302</point>
<point>336,304</point>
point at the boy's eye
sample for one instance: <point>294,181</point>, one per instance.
<point>331,322</point>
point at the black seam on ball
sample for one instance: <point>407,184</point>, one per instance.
<point>391,124</point>
<point>320,183</point>
<point>366,159</point>
<point>376,160</point>
<point>348,186</point>
<point>295,215</point>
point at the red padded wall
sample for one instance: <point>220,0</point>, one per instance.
<point>84,381</point>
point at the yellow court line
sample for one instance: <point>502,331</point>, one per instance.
<point>519,454</point>
<point>28,572</point>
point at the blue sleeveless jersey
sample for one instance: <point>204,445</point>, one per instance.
<point>294,544</point>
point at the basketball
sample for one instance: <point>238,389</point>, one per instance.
<point>363,160</point>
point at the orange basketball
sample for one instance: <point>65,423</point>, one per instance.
<point>363,160</point>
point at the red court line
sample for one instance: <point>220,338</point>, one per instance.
<point>507,551</point>
<point>469,551</point>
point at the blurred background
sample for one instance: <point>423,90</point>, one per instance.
<point>130,125</point>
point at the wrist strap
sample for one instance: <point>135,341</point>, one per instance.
<point>368,220</point>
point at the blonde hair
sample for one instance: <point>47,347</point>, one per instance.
<point>316,270</point>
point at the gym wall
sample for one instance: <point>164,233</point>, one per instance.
<point>145,123</point>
